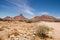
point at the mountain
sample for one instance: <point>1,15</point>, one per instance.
<point>16,18</point>
<point>35,19</point>
<point>57,20</point>
<point>47,18</point>
<point>44,18</point>
<point>7,18</point>
<point>19,18</point>
<point>1,19</point>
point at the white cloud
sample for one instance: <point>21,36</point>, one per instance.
<point>22,5</point>
<point>44,13</point>
<point>31,13</point>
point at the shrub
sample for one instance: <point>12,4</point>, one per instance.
<point>28,21</point>
<point>1,29</point>
<point>43,31</point>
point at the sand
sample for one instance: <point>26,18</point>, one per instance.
<point>56,31</point>
<point>26,30</point>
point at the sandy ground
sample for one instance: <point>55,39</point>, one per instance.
<point>56,31</point>
<point>26,30</point>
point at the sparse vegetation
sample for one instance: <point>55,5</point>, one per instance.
<point>29,30</point>
<point>1,29</point>
<point>43,31</point>
<point>28,21</point>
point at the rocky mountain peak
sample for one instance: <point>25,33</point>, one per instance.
<point>21,15</point>
<point>7,18</point>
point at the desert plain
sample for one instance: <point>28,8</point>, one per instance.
<point>26,31</point>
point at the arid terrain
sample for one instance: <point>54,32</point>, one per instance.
<point>56,31</point>
<point>29,19</point>
<point>16,30</point>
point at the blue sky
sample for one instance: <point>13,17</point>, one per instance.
<point>29,8</point>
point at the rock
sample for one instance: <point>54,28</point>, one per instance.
<point>7,18</point>
<point>57,20</point>
<point>44,18</point>
<point>36,19</point>
<point>1,19</point>
<point>19,18</point>
<point>47,18</point>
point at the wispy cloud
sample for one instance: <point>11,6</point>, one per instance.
<point>44,13</point>
<point>22,5</point>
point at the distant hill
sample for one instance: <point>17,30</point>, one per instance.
<point>19,18</point>
<point>1,19</point>
<point>7,18</point>
<point>16,18</point>
<point>44,18</point>
<point>35,19</point>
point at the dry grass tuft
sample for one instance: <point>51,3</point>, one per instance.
<point>43,31</point>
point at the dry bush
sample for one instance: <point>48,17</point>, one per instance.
<point>28,21</point>
<point>43,31</point>
<point>1,29</point>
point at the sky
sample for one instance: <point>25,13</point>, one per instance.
<point>29,8</point>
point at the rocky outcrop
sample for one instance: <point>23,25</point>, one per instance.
<point>19,18</point>
<point>44,18</point>
<point>35,19</point>
<point>1,19</point>
<point>57,20</point>
<point>16,18</point>
<point>7,18</point>
<point>47,18</point>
